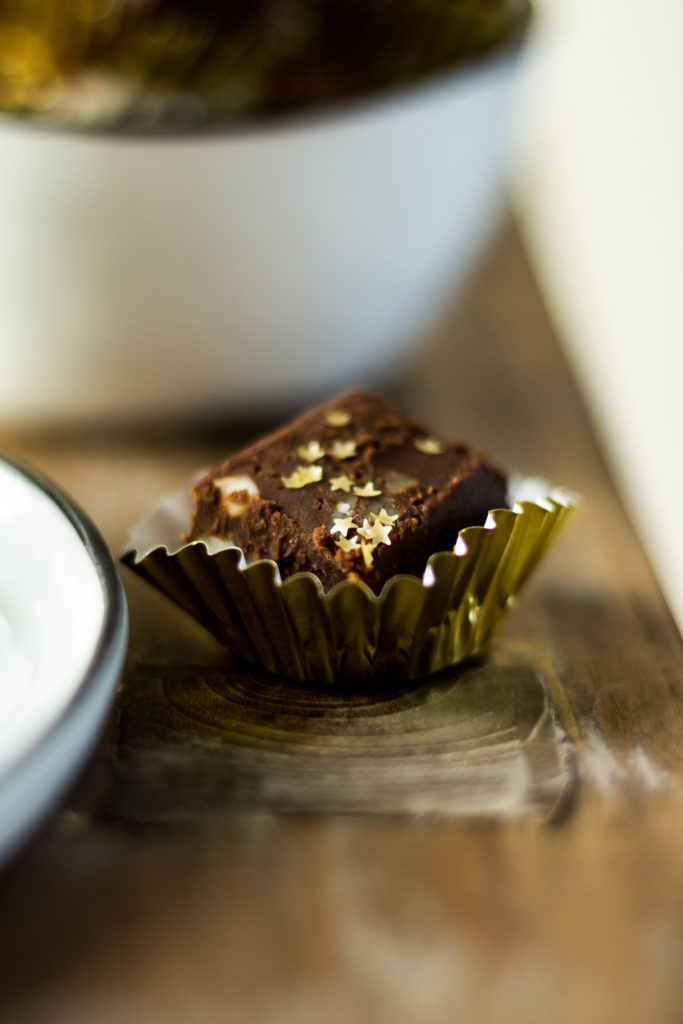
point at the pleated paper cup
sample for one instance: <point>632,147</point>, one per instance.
<point>414,628</point>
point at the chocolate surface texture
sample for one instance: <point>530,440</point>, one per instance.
<point>349,490</point>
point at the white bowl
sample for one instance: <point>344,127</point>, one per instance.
<point>63,632</point>
<point>149,276</point>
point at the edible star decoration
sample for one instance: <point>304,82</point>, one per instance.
<point>366,549</point>
<point>302,476</point>
<point>377,533</point>
<point>337,418</point>
<point>348,545</point>
<point>341,483</point>
<point>343,449</point>
<point>428,445</point>
<point>383,517</point>
<point>311,452</point>
<point>343,525</point>
<point>368,490</point>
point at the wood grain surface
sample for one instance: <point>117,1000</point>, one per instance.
<point>475,742</point>
<point>223,858</point>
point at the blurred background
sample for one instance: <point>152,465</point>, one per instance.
<point>210,207</point>
<point>598,193</point>
<point>213,209</point>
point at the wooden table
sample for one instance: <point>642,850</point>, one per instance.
<point>145,899</point>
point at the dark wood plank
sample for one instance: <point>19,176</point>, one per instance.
<point>271,917</point>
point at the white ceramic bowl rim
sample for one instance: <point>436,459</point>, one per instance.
<point>114,623</point>
<point>45,765</point>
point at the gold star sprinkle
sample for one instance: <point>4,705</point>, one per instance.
<point>337,418</point>
<point>343,449</point>
<point>343,525</point>
<point>303,476</point>
<point>341,483</point>
<point>368,490</point>
<point>378,533</point>
<point>367,548</point>
<point>311,452</point>
<point>383,517</point>
<point>347,545</point>
<point>428,445</point>
<point>364,531</point>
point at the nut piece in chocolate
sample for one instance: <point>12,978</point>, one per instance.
<point>350,490</point>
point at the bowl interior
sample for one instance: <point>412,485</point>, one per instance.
<point>177,64</point>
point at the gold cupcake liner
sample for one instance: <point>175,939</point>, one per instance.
<point>413,628</point>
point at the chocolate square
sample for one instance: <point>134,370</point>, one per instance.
<point>349,490</point>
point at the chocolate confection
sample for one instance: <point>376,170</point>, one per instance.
<point>349,490</point>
